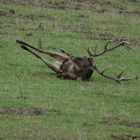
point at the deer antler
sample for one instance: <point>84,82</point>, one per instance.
<point>91,53</point>
<point>106,49</point>
<point>117,78</point>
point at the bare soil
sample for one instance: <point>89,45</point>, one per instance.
<point>124,137</point>
<point>76,5</point>
<point>117,121</point>
<point>14,13</point>
<point>136,1</point>
<point>27,112</point>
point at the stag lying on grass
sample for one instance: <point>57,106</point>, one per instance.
<point>71,67</point>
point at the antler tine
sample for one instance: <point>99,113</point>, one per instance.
<point>117,78</point>
<point>91,53</point>
<point>105,69</point>
<point>106,49</point>
<point>125,44</point>
<point>110,41</point>
<point>121,73</point>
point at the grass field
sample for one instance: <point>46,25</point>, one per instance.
<point>35,105</point>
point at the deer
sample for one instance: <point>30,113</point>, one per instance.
<point>69,66</point>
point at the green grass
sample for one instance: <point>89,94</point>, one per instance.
<point>27,83</point>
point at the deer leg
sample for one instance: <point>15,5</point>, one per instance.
<point>58,56</point>
<point>50,65</point>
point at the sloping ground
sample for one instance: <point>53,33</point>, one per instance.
<point>34,104</point>
<point>92,5</point>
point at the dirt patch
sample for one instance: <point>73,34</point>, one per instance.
<point>130,12</point>
<point>55,4</point>
<point>124,137</point>
<point>28,112</point>
<point>25,3</point>
<point>9,13</point>
<point>117,121</point>
<point>136,1</point>
<point>14,13</point>
<point>78,5</point>
<point>92,5</point>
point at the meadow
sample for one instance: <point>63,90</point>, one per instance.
<point>35,104</point>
